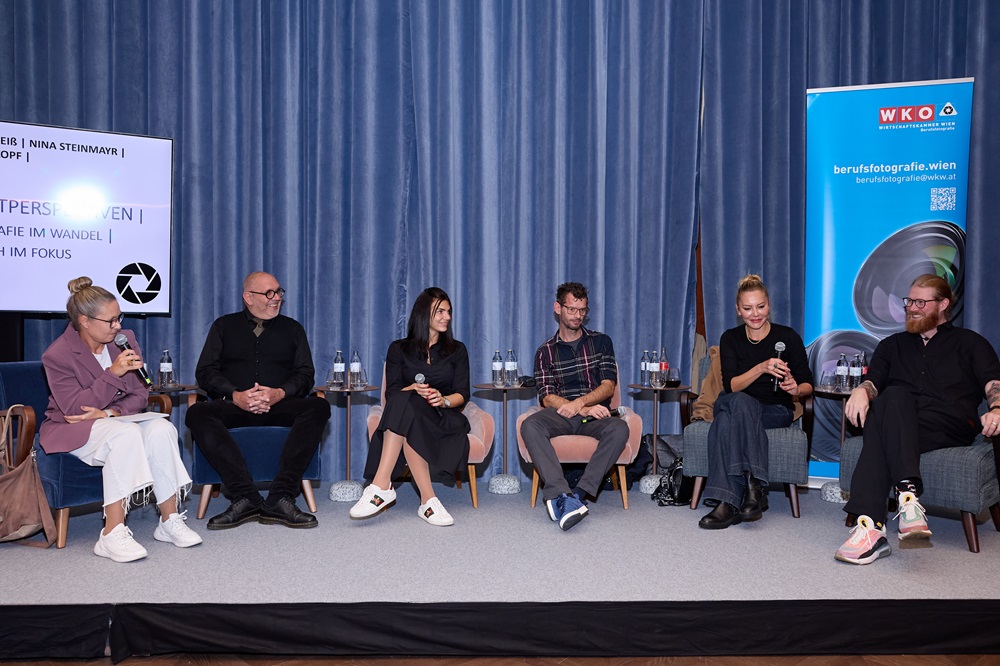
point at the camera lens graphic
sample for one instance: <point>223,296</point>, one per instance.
<point>932,247</point>
<point>823,354</point>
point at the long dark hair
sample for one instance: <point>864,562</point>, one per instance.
<point>418,328</point>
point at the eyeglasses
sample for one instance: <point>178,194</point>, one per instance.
<point>918,303</point>
<point>270,293</point>
<point>571,311</point>
<point>110,322</point>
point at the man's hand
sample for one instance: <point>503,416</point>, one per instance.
<point>856,409</point>
<point>991,423</point>
<point>571,408</point>
<point>257,400</point>
<point>595,412</point>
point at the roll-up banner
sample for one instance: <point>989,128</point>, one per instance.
<point>887,171</point>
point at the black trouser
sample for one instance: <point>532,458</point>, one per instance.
<point>209,423</point>
<point>896,433</point>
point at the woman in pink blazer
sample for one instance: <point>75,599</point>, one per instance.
<point>92,383</point>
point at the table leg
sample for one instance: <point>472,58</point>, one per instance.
<point>504,432</point>
<point>348,456</point>
<point>843,419</point>
<point>656,424</point>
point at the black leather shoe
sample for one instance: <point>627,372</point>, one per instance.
<point>755,503</point>
<point>285,512</point>
<point>721,517</point>
<point>239,512</point>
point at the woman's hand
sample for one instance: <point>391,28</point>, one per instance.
<point>774,367</point>
<point>126,361</point>
<point>789,385</point>
<point>431,395</point>
<point>89,414</point>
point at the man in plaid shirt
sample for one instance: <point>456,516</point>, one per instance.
<point>576,375</point>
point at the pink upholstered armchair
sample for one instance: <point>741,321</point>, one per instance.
<point>579,449</point>
<point>480,437</point>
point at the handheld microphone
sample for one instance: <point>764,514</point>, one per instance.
<point>122,343</point>
<point>779,347</point>
<point>616,413</point>
<point>420,379</point>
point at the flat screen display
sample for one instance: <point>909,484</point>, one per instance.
<point>80,202</point>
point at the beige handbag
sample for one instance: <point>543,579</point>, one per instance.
<point>24,511</point>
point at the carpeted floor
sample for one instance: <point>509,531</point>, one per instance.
<point>503,552</point>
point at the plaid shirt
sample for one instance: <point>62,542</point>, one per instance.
<point>570,373</point>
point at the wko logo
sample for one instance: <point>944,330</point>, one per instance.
<point>906,114</point>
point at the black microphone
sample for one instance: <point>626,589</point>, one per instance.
<point>616,413</point>
<point>779,347</point>
<point>122,342</point>
<point>420,379</point>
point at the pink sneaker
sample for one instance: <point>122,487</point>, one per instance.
<point>912,518</point>
<point>866,544</point>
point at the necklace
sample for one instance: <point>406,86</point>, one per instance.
<point>746,330</point>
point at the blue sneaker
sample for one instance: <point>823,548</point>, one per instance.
<point>568,511</point>
<point>551,504</point>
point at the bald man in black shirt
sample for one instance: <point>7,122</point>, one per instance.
<point>257,368</point>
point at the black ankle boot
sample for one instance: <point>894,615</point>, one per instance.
<point>755,502</point>
<point>721,517</point>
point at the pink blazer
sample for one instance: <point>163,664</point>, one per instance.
<point>76,380</point>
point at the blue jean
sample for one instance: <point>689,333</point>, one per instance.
<point>737,444</point>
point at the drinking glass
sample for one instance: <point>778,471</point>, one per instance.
<point>673,377</point>
<point>360,380</point>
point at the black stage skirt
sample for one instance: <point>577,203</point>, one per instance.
<point>440,439</point>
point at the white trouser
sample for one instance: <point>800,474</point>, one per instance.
<point>136,456</point>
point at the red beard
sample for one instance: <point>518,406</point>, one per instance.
<point>923,324</point>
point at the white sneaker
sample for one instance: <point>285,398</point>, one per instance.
<point>373,500</point>
<point>434,513</point>
<point>118,545</point>
<point>174,531</point>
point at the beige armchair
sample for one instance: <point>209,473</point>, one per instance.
<point>579,448</point>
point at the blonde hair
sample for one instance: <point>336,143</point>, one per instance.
<point>85,300</point>
<point>940,286</point>
<point>751,282</point>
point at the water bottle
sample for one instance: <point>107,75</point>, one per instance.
<point>165,379</point>
<point>654,370</point>
<point>644,368</point>
<point>854,372</point>
<point>498,379</point>
<point>842,374</point>
<point>354,377</point>
<point>336,381</point>
<point>864,365</point>
<point>510,369</point>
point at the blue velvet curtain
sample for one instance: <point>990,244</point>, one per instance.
<point>362,151</point>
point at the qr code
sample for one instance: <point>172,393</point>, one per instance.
<point>942,198</point>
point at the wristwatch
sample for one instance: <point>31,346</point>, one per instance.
<point>447,402</point>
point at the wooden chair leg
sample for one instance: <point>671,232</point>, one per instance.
<point>851,520</point>
<point>458,480</point>
<point>623,485</point>
<point>699,488</point>
<point>62,526</point>
<point>971,533</point>
<point>307,492</point>
<point>472,486</point>
<point>792,490</point>
<point>206,496</point>
<point>995,512</point>
<point>534,487</point>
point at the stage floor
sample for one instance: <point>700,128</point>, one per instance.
<point>504,580</point>
<point>505,551</point>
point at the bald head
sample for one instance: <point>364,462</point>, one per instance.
<point>255,294</point>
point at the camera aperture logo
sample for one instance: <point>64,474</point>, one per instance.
<point>138,283</point>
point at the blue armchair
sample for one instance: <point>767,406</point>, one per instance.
<point>67,481</point>
<point>261,448</point>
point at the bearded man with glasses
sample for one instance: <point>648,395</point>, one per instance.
<point>922,393</point>
<point>257,368</point>
<point>576,375</point>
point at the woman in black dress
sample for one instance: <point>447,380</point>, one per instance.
<point>426,386</point>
